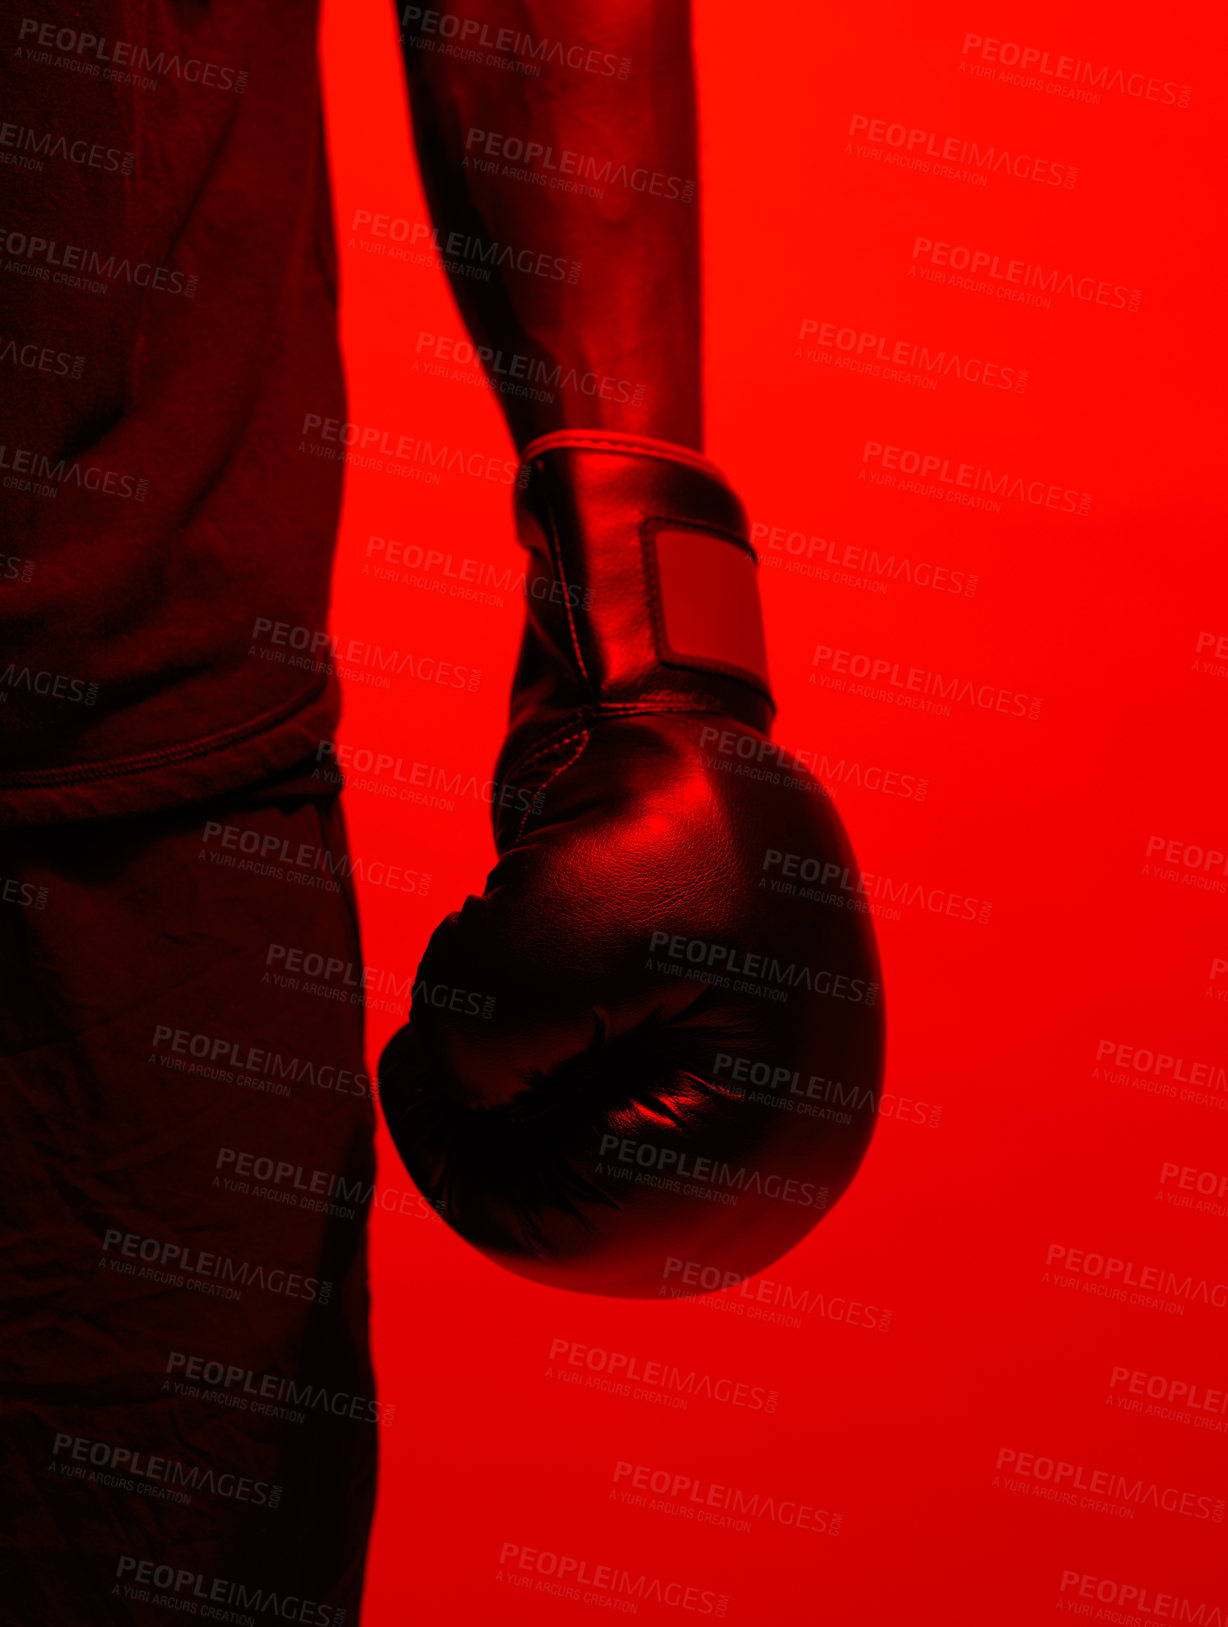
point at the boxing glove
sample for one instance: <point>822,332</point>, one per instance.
<point>655,1047</point>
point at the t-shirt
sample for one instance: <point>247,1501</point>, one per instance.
<point>168,355</point>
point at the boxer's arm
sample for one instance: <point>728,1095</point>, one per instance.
<point>618,348</point>
<point>634,963</point>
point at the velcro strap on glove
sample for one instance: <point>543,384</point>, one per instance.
<point>642,582</point>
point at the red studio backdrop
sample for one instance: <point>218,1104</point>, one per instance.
<point>991,1386</point>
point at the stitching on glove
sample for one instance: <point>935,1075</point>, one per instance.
<point>550,743</point>
<point>689,704</point>
<point>543,750</point>
<point>556,559</point>
<point>644,446</point>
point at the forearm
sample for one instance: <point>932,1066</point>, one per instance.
<point>618,348</point>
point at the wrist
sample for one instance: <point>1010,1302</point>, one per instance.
<point>608,404</point>
<point>641,591</point>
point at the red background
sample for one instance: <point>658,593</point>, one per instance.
<point>949,1225</point>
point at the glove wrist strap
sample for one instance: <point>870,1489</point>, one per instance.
<point>612,440</point>
<point>642,584</point>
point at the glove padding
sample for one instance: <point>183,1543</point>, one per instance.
<point>639,1045</point>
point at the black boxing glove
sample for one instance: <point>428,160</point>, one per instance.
<point>654,1045</point>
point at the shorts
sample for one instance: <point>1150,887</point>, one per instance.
<point>188,1406</point>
